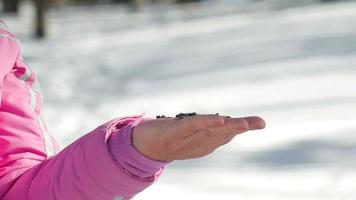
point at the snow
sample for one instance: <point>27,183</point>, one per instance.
<point>296,67</point>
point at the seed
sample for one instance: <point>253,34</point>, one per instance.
<point>160,116</point>
<point>183,115</point>
<point>178,116</point>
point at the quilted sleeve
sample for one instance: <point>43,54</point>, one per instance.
<point>89,169</point>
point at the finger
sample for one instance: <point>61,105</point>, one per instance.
<point>205,141</point>
<point>232,126</point>
<point>236,125</point>
<point>255,122</point>
<point>194,123</point>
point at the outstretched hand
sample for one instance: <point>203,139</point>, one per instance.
<point>169,139</point>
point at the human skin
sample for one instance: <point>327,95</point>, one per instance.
<point>169,139</point>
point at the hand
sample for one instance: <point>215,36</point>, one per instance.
<point>169,139</point>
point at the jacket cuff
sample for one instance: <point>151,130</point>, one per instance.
<point>128,157</point>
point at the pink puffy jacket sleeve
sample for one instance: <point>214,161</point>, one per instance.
<point>89,170</point>
<point>101,165</point>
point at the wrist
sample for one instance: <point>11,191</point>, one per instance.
<point>129,158</point>
<point>146,140</point>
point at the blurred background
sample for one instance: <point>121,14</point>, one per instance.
<point>291,62</point>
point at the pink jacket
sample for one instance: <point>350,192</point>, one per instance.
<point>101,165</point>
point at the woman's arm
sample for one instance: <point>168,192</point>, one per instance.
<point>91,168</point>
<point>99,167</point>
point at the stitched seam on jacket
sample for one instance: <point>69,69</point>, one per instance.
<point>47,141</point>
<point>8,36</point>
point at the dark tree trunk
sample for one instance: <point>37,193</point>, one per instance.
<point>40,23</point>
<point>10,6</point>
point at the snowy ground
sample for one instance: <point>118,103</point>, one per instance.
<point>295,67</point>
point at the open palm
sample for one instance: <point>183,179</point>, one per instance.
<point>169,139</point>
